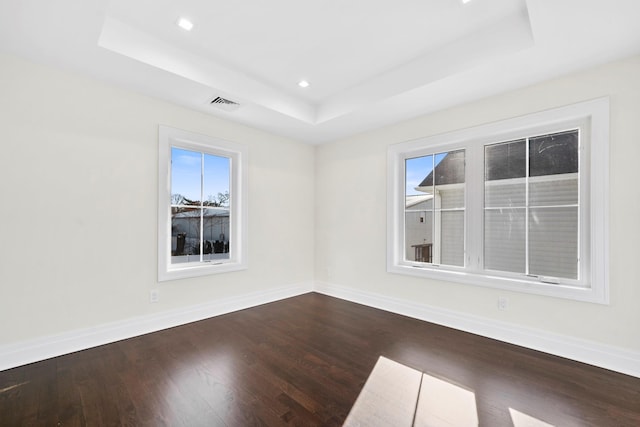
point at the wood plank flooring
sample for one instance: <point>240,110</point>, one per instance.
<point>301,362</point>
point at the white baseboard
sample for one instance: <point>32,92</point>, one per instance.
<point>604,356</point>
<point>51,346</point>
<point>593,353</point>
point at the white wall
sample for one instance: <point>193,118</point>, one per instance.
<point>78,181</point>
<point>351,214</point>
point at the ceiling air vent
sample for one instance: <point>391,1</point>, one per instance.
<point>225,104</point>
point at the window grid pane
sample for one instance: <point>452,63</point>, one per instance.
<point>504,237</point>
<point>185,234</point>
<point>452,249</point>
<point>553,242</point>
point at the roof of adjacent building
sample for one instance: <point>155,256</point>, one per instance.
<point>450,170</point>
<point>208,212</point>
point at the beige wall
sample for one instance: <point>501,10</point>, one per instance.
<point>78,181</point>
<point>351,212</point>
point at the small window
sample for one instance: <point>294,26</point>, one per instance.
<point>519,204</point>
<point>199,206</point>
<point>201,218</point>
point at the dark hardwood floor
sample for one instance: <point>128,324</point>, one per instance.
<point>301,362</point>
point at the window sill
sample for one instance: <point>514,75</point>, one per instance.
<point>585,294</point>
<point>200,269</point>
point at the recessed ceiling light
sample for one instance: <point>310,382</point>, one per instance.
<point>185,24</point>
<point>303,83</point>
<point>465,1</point>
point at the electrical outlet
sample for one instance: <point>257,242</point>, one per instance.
<point>154,295</point>
<point>503,303</point>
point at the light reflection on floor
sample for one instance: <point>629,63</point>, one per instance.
<point>426,399</point>
<point>523,420</point>
<point>11,387</point>
<point>442,403</point>
<point>211,380</point>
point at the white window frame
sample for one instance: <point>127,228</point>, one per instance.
<point>169,137</point>
<point>592,118</point>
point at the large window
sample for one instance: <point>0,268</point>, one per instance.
<point>520,204</point>
<point>201,217</point>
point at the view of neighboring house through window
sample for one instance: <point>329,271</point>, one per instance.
<point>518,204</point>
<point>531,206</point>
<point>531,214</point>
<point>202,205</point>
<point>199,206</point>
<point>434,208</point>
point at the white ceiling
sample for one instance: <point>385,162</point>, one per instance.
<point>370,62</point>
